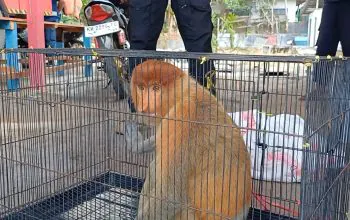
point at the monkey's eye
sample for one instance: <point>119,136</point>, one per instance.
<point>156,87</point>
<point>141,87</point>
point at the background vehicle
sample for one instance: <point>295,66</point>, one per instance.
<point>107,22</point>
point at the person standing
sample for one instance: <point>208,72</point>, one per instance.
<point>334,28</point>
<point>194,23</point>
<point>330,90</point>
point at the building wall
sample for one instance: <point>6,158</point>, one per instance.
<point>291,8</point>
<point>314,24</point>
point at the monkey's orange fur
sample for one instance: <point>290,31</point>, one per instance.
<point>202,167</point>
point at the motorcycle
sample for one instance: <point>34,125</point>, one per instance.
<point>107,22</point>
<point>99,13</point>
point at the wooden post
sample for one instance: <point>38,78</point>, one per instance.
<point>36,39</point>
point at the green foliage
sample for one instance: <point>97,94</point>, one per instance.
<point>236,4</point>
<point>85,2</point>
<point>228,20</point>
<point>238,7</point>
<point>227,24</point>
<point>82,16</point>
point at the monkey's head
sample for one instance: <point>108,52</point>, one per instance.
<point>153,86</point>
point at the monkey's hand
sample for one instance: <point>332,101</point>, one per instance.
<point>134,139</point>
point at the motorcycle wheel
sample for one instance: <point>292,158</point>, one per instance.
<point>120,86</point>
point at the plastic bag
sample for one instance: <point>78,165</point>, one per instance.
<point>275,144</point>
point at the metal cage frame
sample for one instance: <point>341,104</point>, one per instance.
<point>58,154</point>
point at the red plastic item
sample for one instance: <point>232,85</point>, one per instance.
<point>98,13</point>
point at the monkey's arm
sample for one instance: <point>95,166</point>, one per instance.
<point>135,141</point>
<point>167,181</point>
<point>172,158</point>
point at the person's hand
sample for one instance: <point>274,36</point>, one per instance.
<point>135,141</point>
<point>71,7</point>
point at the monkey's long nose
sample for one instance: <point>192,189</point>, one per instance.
<point>144,107</point>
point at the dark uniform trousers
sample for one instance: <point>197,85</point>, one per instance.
<point>334,28</point>
<point>194,23</point>
<point>332,80</point>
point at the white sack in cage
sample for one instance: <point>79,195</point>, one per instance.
<point>283,153</point>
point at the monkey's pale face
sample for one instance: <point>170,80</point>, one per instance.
<point>153,87</point>
<point>149,99</point>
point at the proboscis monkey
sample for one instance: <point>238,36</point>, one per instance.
<point>201,168</point>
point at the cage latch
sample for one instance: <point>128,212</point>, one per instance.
<point>263,145</point>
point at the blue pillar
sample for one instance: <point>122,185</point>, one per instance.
<point>88,67</point>
<point>54,5</point>
<point>60,44</point>
<point>50,33</point>
<point>11,58</point>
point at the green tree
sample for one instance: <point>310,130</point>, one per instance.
<point>238,7</point>
<point>225,23</point>
<point>225,13</point>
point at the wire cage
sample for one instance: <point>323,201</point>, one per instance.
<point>64,154</point>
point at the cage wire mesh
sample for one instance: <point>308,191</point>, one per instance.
<point>64,153</point>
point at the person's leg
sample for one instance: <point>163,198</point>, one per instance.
<point>336,78</point>
<point>344,23</point>
<point>328,38</point>
<point>322,71</point>
<point>195,26</point>
<point>327,41</point>
<point>146,18</point>
<point>344,27</point>
<point>146,22</point>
